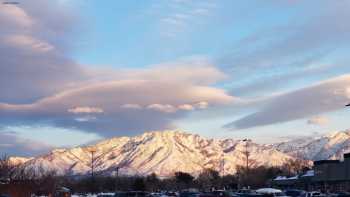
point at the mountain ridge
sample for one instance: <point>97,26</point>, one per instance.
<point>164,152</point>
<point>160,152</point>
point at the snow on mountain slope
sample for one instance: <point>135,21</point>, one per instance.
<point>330,146</point>
<point>19,160</point>
<point>160,152</point>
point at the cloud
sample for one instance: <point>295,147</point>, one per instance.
<point>13,145</point>
<point>34,44</point>
<point>186,107</point>
<point>162,108</point>
<point>151,90</point>
<point>318,120</point>
<point>85,110</point>
<point>260,61</point>
<point>327,96</point>
<point>183,16</point>
<point>131,106</point>
<point>41,85</point>
<point>202,105</point>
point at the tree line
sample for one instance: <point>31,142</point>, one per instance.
<point>43,182</point>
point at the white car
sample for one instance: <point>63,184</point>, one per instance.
<point>271,192</point>
<point>315,194</point>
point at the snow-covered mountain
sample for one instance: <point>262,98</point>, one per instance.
<point>330,146</point>
<point>19,160</point>
<point>160,152</point>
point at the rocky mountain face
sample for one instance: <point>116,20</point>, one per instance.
<point>162,153</point>
<point>330,146</point>
<point>165,152</point>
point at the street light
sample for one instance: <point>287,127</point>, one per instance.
<point>223,164</point>
<point>92,151</point>
<point>246,154</point>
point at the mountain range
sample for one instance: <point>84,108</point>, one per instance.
<point>164,152</point>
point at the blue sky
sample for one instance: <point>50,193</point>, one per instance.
<point>77,71</point>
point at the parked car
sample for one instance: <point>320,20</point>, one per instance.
<point>105,194</point>
<point>189,194</point>
<point>131,194</point>
<point>171,194</point>
<point>295,193</point>
<point>218,193</point>
<point>315,194</point>
<point>62,192</point>
<point>340,194</point>
<point>270,192</point>
<point>247,193</point>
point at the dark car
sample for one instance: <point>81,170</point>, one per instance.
<point>342,194</point>
<point>218,193</point>
<point>131,194</point>
<point>295,193</point>
<point>189,194</point>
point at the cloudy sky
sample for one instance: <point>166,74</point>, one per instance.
<point>76,71</point>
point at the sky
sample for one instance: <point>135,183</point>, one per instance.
<point>73,72</point>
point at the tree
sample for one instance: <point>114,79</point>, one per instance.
<point>208,179</point>
<point>183,180</point>
<point>152,182</point>
<point>183,177</point>
<point>7,169</point>
<point>296,166</point>
<point>139,184</point>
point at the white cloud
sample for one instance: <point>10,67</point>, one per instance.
<point>85,118</point>
<point>186,107</point>
<point>162,108</point>
<point>318,120</point>
<point>85,110</point>
<point>202,105</point>
<point>29,43</point>
<point>131,106</point>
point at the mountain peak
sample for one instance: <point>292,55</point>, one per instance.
<point>160,152</point>
<point>329,146</point>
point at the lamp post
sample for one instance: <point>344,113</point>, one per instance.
<point>92,151</point>
<point>246,154</point>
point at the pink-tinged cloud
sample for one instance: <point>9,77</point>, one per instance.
<point>85,110</point>
<point>318,120</point>
<point>14,145</point>
<point>108,107</point>
<point>327,96</point>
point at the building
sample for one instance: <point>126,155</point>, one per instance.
<point>333,175</point>
<point>327,175</point>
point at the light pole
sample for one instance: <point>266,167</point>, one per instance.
<point>223,164</point>
<point>92,151</point>
<point>246,154</point>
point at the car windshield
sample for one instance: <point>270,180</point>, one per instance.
<point>293,193</point>
<point>280,194</point>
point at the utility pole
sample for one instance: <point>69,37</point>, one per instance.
<point>246,154</point>
<point>92,151</point>
<point>223,164</point>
